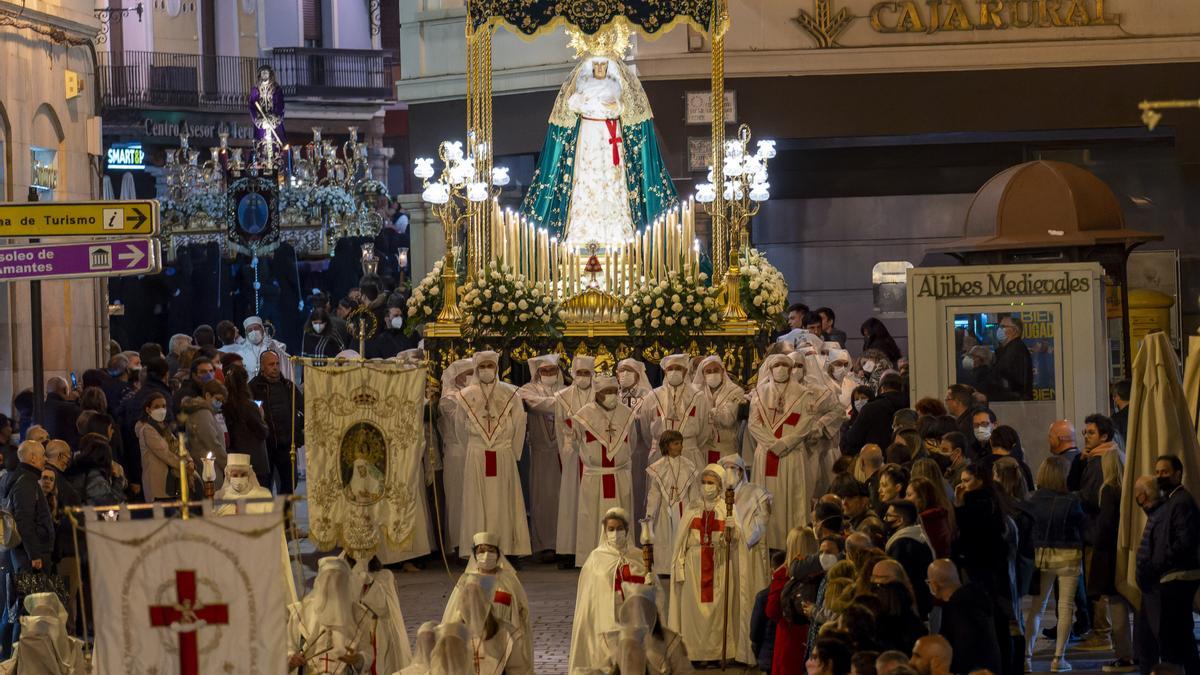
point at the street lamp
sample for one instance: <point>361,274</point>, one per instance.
<point>457,192</point>
<point>744,188</point>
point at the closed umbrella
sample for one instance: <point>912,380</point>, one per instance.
<point>128,189</point>
<point>106,189</point>
<point>1159,424</point>
<point>1191,381</point>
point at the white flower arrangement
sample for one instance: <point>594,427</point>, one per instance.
<point>207,203</point>
<point>425,303</point>
<point>764,290</point>
<point>501,303</point>
<point>291,198</point>
<point>675,308</point>
<point>334,200</point>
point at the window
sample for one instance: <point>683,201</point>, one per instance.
<point>1007,355</point>
<point>313,23</point>
<point>43,172</point>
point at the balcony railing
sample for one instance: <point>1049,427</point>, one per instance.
<point>222,83</point>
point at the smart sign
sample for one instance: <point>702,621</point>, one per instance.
<point>126,156</point>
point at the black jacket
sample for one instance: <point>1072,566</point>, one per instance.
<point>326,345</point>
<point>59,417</point>
<point>187,389</point>
<point>980,545</point>
<point>248,434</point>
<point>277,401</point>
<point>1057,519</point>
<point>874,423</point>
<point>1102,536</point>
<point>968,626</point>
<point>22,494</point>
<point>68,496</point>
<point>388,343</point>
<point>1014,369</point>
<point>1169,540</point>
<point>915,557</point>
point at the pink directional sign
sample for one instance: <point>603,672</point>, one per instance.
<point>110,258</point>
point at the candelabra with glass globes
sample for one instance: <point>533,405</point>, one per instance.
<point>459,191</point>
<point>745,186</point>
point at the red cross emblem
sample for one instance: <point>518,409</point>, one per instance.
<point>186,617</point>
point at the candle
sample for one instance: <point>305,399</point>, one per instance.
<point>210,469</point>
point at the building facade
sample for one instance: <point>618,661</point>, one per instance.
<point>49,149</point>
<point>889,115</point>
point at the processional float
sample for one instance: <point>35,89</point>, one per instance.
<point>601,256</point>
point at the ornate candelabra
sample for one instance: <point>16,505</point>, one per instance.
<point>745,187</point>
<point>1150,109</point>
<point>461,188</point>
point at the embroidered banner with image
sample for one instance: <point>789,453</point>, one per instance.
<point>364,448</point>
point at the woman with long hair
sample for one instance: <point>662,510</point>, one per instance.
<point>320,339</point>
<point>244,422</point>
<point>160,452</point>
<point>1005,442</point>
<point>935,512</point>
<point>791,626</point>
<point>1057,538</point>
<point>1010,484</point>
<point>829,656</point>
<point>876,336</point>
<point>91,473</point>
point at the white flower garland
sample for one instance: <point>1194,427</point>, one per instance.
<point>499,302</point>
<point>425,303</point>
<point>764,290</point>
<point>675,308</point>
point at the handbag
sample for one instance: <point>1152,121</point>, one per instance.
<point>171,487</point>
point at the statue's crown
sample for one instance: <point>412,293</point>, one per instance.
<point>612,41</point>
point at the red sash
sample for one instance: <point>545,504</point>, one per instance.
<point>502,598</point>
<point>489,463</point>
<point>772,467</point>
<point>707,524</point>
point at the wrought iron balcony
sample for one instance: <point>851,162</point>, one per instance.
<point>140,80</point>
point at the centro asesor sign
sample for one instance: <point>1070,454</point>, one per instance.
<point>1001,284</point>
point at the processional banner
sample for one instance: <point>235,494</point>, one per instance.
<point>364,445</point>
<point>188,596</point>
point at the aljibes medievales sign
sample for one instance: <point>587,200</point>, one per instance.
<point>932,16</point>
<point>1002,284</point>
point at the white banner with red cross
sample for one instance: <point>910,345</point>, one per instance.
<point>193,597</point>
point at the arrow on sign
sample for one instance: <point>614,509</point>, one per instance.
<point>139,219</point>
<point>132,256</point>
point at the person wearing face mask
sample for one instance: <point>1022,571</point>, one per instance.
<point>752,513</point>
<point>509,602</point>
<point>320,341</point>
<point>1167,564</point>
<point>422,649</point>
<point>258,342</point>
<point>633,389</point>
<point>160,452</point>
<point>545,475</point>
<point>724,399</point>
<point>390,339</point>
<point>568,402</point>
<point>492,500</point>
<point>775,414</point>
<point>679,405</point>
<point>241,483</point>
<point>604,430</point>
<point>1014,364</point>
<point>673,486</point>
<point>837,366</point>
<point>873,424</point>
<point>822,446</point>
<point>613,571</point>
<point>698,578</point>
<point>204,433</point>
<point>328,622</point>
<point>452,429</point>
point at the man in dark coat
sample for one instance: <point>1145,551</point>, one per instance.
<point>390,340</point>
<point>283,407</point>
<point>874,421</point>
<point>1014,365</point>
<point>908,545</point>
<point>966,620</point>
<point>1121,391</point>
<point>61,411</point>
<point>1167,562</point>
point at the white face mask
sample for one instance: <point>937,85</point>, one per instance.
<point>318,327</point>
<point>868,366</point>
<point>158,414</point>
<point>487,559</point>
<point>827,560</point>
<point>1001,335</point>
<point>397,322</point>
<point>608,401</point>
<point>968,362</point>
<point>583,381</point>
<point>674,377</point>
<point>713,380</point>
<point>486,375</point>
<point>839,372</point>
<point>709,491</point>
<point>616,538</point>
<point>781,373</point>
<point>983,433</point>
<point>240,484</point>
<point>255,337</point>
<point>625,379</point>
<point>549,380</point>
<point>858,405</point>
<point>798,374</point>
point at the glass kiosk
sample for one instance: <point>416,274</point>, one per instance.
<point>1031,337</point>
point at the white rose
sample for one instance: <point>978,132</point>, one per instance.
<point>654,314</point>
<point>658,302</point>
<point>537,310</point>
<point>428,311</point>
<point>755,284</point>
<point>624,316</point>
<point>547,319</point>
<point>496,307</point>
<point>670,321</point>
<point>683,321</point>
<point>486,318</point>
<point>523,317</point>
<point>690,298</point>
<point>523,305</point>
<point>654,323</point>
<point>487,293</point>
<point>512,306</point>
<point>495,275</point>
<point>758,302</point>
<point>675,298</point>
<point>637,323</point>
<point>676,307</point>
<point>636,309</point>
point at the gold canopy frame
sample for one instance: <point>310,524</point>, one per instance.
<point>489,233</point>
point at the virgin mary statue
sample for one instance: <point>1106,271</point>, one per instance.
<point>600,176</point>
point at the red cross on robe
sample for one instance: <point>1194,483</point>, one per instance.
<point>187,611</point>
<point>707,524</point>
<point>607,481</point>
<point>772,464</point>
<point>625,575</point>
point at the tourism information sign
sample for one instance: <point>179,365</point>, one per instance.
<point>75,219</point>
<point>118,257</point>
